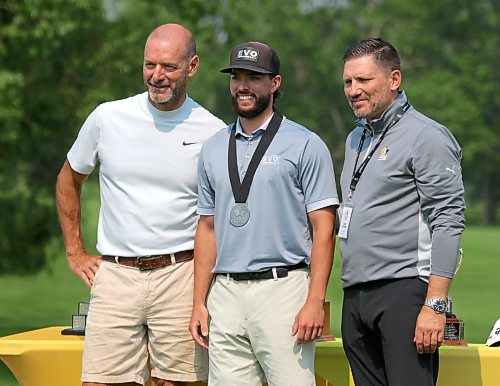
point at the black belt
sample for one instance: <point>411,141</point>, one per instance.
<point>266,274</point>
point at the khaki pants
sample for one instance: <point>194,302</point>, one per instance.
<point>250,332</point>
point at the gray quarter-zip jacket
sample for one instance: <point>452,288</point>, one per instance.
<point>409,202</point>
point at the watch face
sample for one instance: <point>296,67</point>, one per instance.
<point>438,305</point>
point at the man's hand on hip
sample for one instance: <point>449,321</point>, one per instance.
<point>85,266</point>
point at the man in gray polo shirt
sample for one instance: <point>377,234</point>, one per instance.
<point>256,236</point>
<point>400,231</point>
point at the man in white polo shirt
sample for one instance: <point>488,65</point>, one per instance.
<point>255,235</point>
<point>147,148</point>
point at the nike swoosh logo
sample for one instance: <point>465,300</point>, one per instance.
<point>188,143</point>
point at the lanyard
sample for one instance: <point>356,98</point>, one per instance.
<point>356,174</point>
<point>241,190</point>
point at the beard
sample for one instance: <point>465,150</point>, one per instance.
<point>173,94</point>
<point>261,104</point>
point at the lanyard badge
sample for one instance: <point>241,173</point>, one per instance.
<point>348,207</point>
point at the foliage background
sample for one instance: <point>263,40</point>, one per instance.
<point>60,58</point>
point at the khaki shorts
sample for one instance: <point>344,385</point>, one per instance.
<point>251,332</point>
<point>133,313</point>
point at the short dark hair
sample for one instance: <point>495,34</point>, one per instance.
<point>383,52</point>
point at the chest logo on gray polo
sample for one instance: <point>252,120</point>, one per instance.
<point>383,153</point>
<point>270,160</point>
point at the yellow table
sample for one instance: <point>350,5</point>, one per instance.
<point>331,364</point>
<point>46,358</point>
<point>472,365</point>
<point>43,357</point>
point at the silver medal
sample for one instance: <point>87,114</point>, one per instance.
<point>239,214</point>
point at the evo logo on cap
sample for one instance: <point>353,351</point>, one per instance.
<point>248,54</point>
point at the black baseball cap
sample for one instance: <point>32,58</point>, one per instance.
<point>254,56</point>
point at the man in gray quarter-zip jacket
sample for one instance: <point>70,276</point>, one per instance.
<point>402,218</point>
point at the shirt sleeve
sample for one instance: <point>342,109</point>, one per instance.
<point>206,195</point>
<point>83,155</point>
<point>317,175</point>
<point>438,175</point>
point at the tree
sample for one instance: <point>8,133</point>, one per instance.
<point>60,58</point>
<point>46,52</point>
<point>449,50</point>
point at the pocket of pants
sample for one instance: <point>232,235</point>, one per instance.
<point>211,294</point>
<point>96,276</point>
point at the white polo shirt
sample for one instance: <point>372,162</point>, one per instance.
<point>147,174</point>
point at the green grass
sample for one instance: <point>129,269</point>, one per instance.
<point>51,297</point>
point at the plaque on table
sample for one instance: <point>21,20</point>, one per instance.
<point>83,308</point>
<point>326,324</point>
<point>78,321</point>
<point>454,328</point>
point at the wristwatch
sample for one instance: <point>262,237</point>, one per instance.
<point>438,305</point>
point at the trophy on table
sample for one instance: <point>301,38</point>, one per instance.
<point>78,320</point>
<point>454,328</point>
<point>326,323</point>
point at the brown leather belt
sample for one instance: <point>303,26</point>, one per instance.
<point>145,263</point>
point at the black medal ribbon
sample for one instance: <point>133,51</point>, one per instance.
<point>356,174</point>
<point>242,189</point>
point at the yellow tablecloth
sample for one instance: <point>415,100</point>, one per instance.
<point>46,358</point>
<point>39,357</point>
<point>472,365</point>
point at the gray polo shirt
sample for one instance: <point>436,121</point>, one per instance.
<point>409,203</point>
<point>295,177</point>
